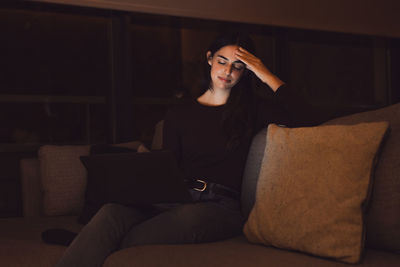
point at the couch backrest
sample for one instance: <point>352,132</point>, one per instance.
<point>383,216</point>
<point>32,196</point>
<point>252,170</point>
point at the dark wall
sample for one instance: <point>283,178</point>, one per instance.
<point>395,69</point>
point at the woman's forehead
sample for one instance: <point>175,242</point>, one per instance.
<point>228,53</point>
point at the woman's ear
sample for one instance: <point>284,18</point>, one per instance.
<point>209,58</point>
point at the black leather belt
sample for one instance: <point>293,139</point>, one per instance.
<point>218,189</point>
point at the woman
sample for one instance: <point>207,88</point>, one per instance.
<point>210,138</point>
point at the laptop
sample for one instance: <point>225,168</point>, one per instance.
<point>135,178</point>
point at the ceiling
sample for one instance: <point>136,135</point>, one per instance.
<point>370,17</point>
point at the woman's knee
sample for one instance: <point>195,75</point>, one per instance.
<point>111,210</point>
<point>113,214</point>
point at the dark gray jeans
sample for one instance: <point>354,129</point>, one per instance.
<point>116,227</point>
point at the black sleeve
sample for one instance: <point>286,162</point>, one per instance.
<point>171,134</point>
<point>269,111</point>
<point>288,107</point>
<point>297,110</point>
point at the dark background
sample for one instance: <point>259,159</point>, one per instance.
<point>72,75</point>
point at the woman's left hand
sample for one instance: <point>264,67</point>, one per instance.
<point>255,64</point>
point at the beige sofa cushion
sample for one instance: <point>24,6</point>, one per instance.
<point>235,252</point>
<point>312,186</point>
<point>383,216</point>
<point>21,244</point>
<point>63,178</point>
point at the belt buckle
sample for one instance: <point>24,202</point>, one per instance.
<point>204,186</point>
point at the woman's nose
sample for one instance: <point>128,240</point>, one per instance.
<point>228,69</point>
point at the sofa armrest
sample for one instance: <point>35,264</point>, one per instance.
<point>31,191</point>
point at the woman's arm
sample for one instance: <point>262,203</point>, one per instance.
<point>255,65</point>
<point>293,108</point>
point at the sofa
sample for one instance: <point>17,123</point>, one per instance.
<point>21,243</point>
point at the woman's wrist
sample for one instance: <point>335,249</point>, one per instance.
<point>272,80</point>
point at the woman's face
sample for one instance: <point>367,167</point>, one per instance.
<point>226,69</point>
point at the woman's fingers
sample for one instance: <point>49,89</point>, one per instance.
<point>245,55</point>
<point>252,62</point>
<point>243,59</point>
<point>243,52</point>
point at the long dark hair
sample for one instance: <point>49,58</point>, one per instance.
<point>238,117</point>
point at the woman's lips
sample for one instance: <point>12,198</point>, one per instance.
<point>224,80</point>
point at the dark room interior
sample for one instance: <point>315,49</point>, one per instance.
<point>85,75</point>
<point>134,134</point>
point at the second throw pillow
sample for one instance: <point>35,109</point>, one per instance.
<point>312,190</point>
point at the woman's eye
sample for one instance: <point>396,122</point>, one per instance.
<point>221,62</point>
<point>238,67</point>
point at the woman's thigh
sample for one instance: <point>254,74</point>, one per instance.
<point>187,223</point>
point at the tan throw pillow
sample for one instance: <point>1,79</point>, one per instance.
<point>63,178</point>
<point>313,186</point>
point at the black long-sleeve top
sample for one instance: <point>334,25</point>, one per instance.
<point>194,134</point>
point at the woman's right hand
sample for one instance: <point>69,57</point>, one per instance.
<point>255,65</point>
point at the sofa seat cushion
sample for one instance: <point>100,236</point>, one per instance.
<point>21,244</point>
<point>32,228</point>
<point>29,253</point>
<point>232,252</point>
